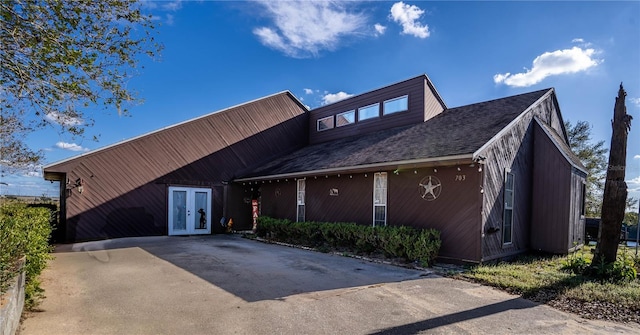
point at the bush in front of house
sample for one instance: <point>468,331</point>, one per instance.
<point>24,232</point>
<point>410,244</point>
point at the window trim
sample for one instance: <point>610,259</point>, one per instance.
<point>384,110</point>
<point>343,113</point>
<point>376,176</point>
<point>333,122</point>
<point>507,173</point>
<point>303,202</point>
<point>377,104</point>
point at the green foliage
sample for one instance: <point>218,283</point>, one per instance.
<point>61,57</point>
<point>576,263</point>
<point>593,157</point>
<point>24,232</point>
<point>419,245</point>
<point>545,278</point>
<point>624,269</point>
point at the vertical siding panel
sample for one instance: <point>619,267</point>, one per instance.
<point>126,184</point>
<point>514,149</point>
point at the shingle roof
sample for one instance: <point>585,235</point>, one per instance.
<point>456,131</point>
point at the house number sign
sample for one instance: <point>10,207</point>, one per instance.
<point>461,177</point>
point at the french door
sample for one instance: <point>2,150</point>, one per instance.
<point>189,211</point>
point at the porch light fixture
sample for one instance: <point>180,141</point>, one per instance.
<point>79,185</point>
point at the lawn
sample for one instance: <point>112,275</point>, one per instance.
<point>542,279</point>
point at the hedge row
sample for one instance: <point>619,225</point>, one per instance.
<point>413,245</point>
<point>24,232</point>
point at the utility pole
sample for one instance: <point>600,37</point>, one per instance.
<point>615,188</point>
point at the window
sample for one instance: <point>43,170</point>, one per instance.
<point>325,123</point>
<point>345,118</point>
<point>368,112</point>
<point>583,199</point>
<point>507,223</point>
<point>395,105</point>
<point>300,201</point>
<point>380,199</point>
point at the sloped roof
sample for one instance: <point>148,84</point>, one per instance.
<point>562,146</point>
<point>180,144</point>
<point>455,133</point>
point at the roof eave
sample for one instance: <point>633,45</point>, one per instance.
<point>412,163</point>
<point>511,124</point>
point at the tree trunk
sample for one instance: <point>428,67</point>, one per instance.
<point>615,189</point>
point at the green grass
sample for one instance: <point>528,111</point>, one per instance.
<point>542,279</point>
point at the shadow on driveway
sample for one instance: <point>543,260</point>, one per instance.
<point>252,270</point>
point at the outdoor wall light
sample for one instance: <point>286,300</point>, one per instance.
<point>79,185</point>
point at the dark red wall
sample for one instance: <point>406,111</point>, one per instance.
<point>456,213</point>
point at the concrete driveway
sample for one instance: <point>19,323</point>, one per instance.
<point>224,284</point>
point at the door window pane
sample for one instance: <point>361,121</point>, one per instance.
<point>200,208</point>
<point>179,210</point>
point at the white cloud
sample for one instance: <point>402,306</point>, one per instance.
<point>407,16</point>
<point>380,29</point>
<point>636,157</point>
<point>330,98</point>
<point>633,185</point>
<point>635,102</point>
<point>172,5</point>
<point>577,40</point>
<point>308,91</point>
<point>304,28</point>
<point>170,19</point>
<point>62,119</point>
<point>549,64</point>
<point>70,146</point>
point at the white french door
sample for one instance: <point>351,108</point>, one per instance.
<point>189,211</point>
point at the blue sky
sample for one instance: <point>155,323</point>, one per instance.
<point>220,54</point>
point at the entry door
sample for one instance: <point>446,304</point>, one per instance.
<point>189,211</point>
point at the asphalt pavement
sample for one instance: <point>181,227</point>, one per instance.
<point>224,284</point>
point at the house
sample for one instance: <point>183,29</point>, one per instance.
<point>496,178</point>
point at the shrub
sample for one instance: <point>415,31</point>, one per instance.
<point>24,232</point>
<point>624,269</point>
<point>410,244</point>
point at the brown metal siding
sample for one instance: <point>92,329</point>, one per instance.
<point>278,199</point>
<point>456,213</point>
<point>128,180</point>
<point>551,196</point>
<point>514,149</point>
<point>557,224</point>
<point>420,97</point>
<point>576,219</point>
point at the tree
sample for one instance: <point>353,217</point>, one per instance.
<point>60,58</point>
<point>631,214</point>
<point>615,189</point>
<point>593,157</point>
